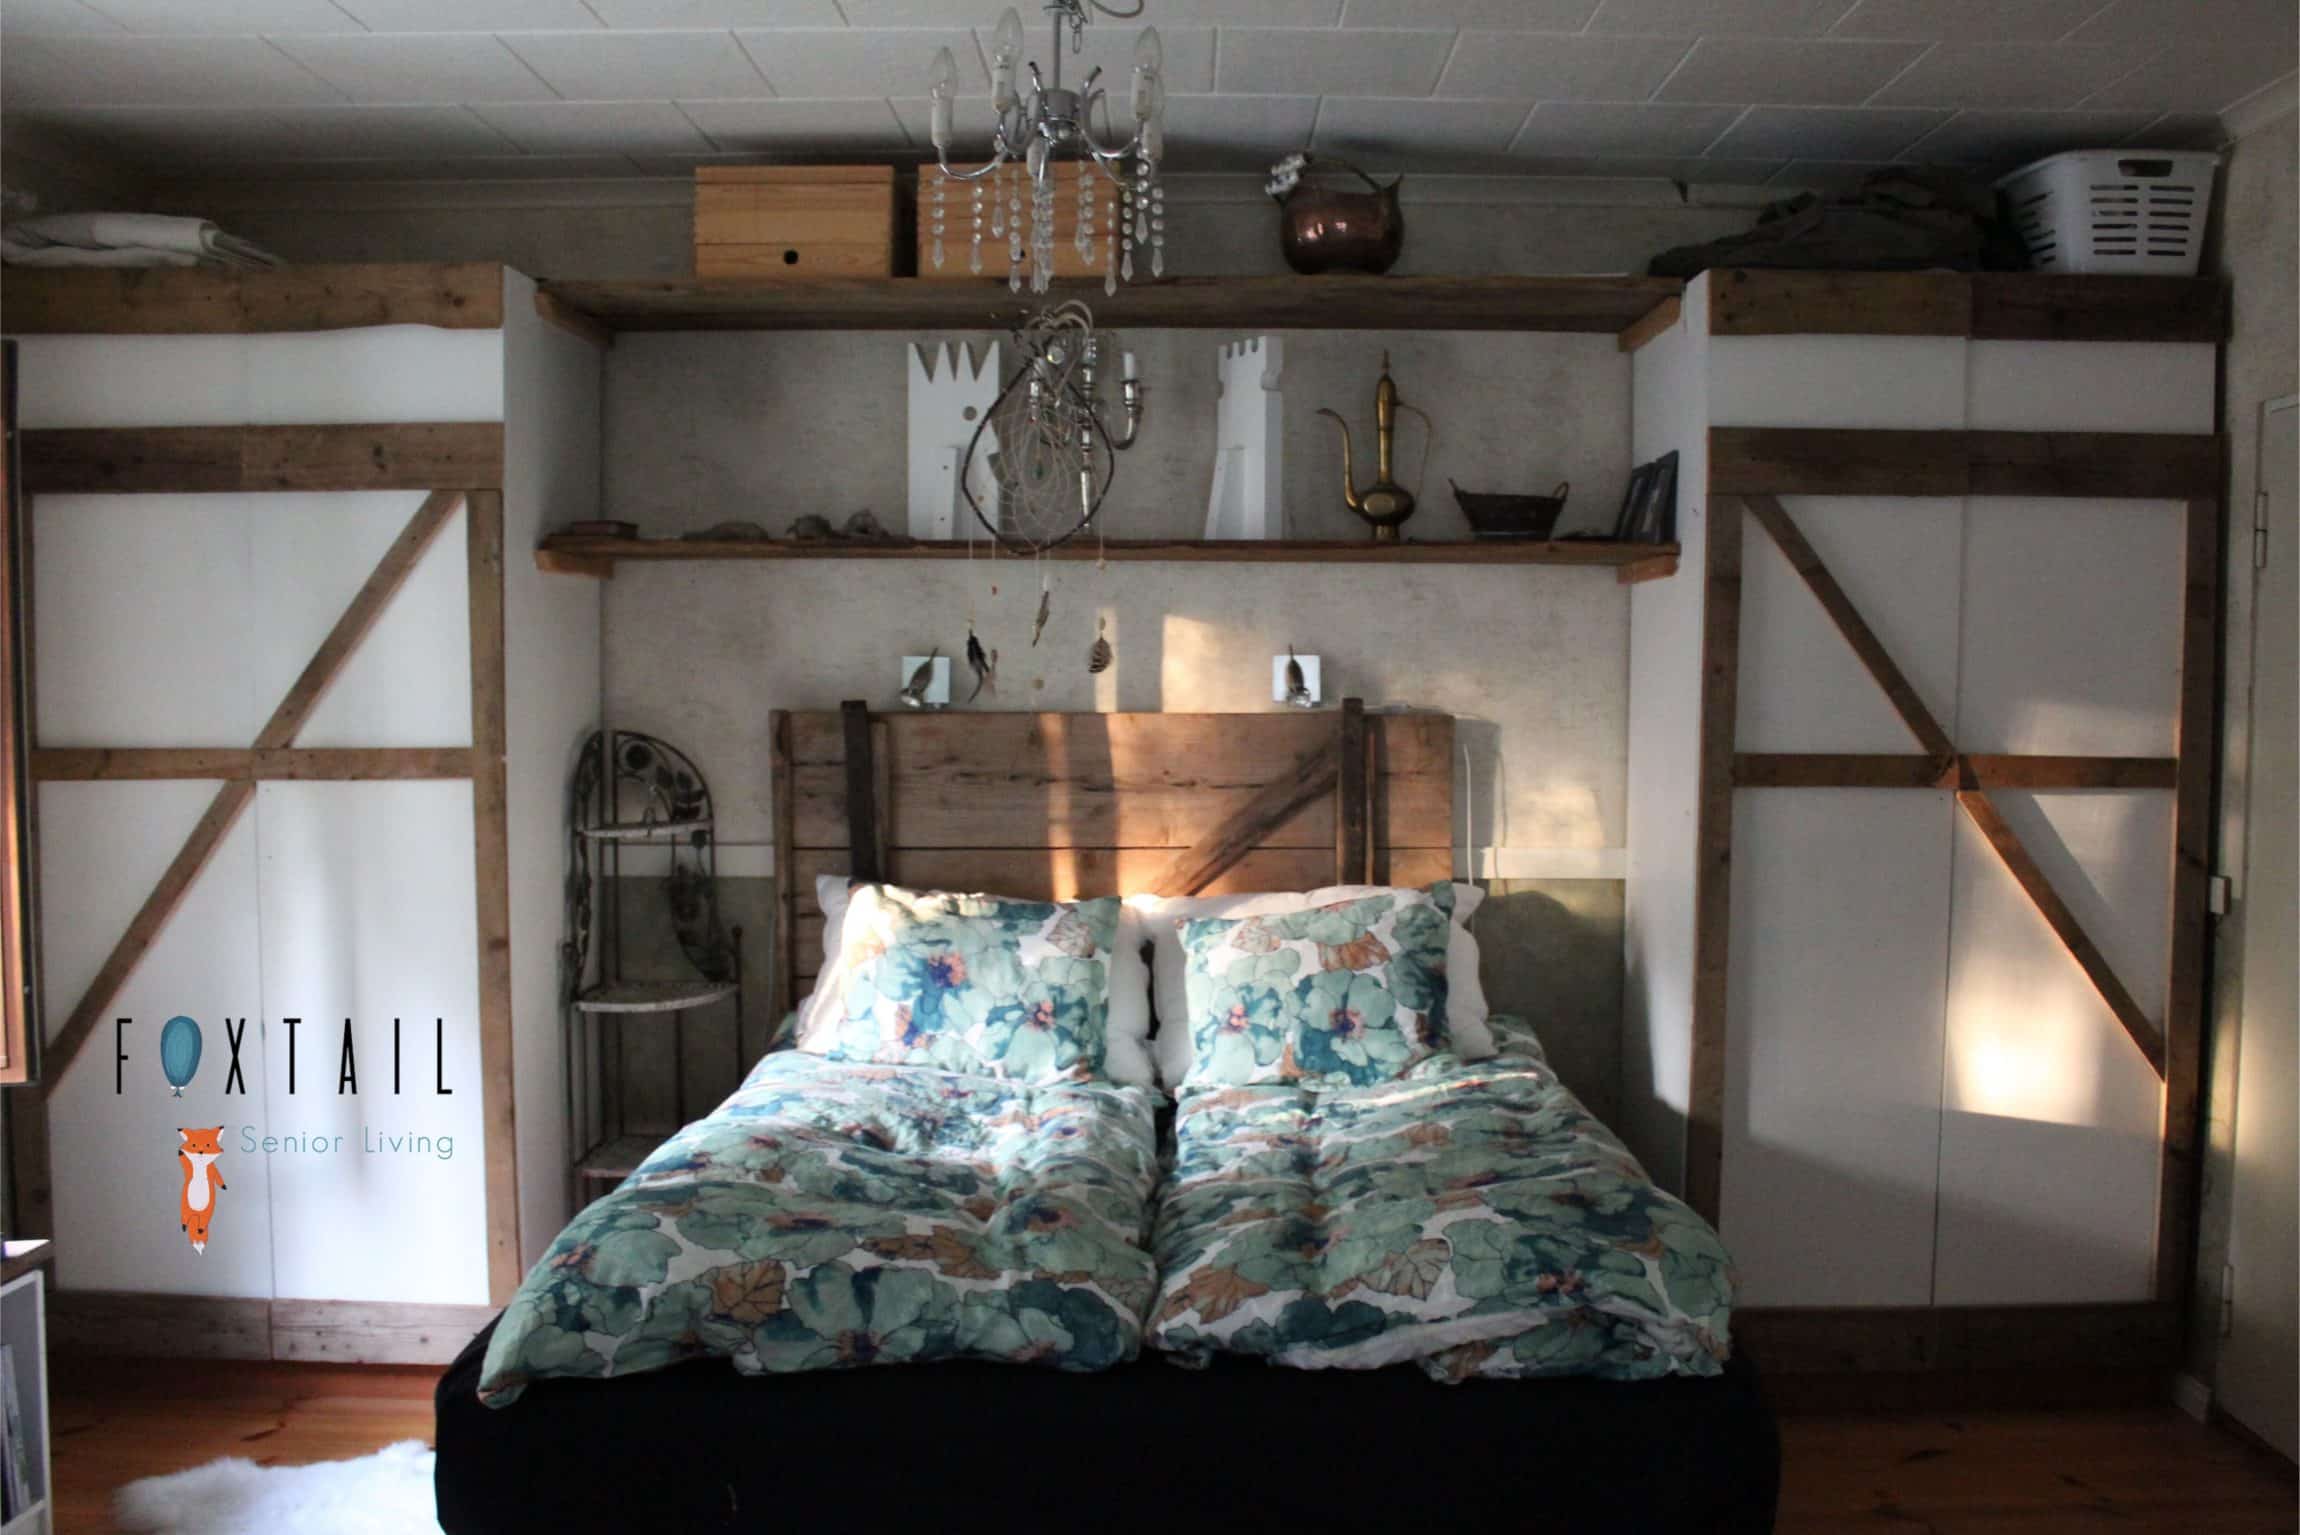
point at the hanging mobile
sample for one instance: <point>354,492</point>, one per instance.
<point>1098,658</point>
<point>983,664</point>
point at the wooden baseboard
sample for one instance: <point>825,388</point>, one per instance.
<point>1968,1391</point>
<point>2137,1337</point>
<point>120,1324</point>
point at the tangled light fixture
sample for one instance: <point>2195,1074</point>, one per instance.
<point>1054,456</point>
<point>1047,126</point>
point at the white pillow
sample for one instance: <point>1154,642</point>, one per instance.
<point>1126,1048</point>
<point>1465,1007</point>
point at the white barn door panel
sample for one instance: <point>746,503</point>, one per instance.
<point>2049,1144</point>
<point>366,915</point>
<point>409,682</point>
<point>382,373</point>
<point>142,623</point>
<point>1802,687</point>
<point>2071,627</point>
<point>1832,1119</point>
<point>2092,386</point>
<point>1896,383</point>
<point>112,1155</point>
<point>2049,1137</point>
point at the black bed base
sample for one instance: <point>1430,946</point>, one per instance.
<point>699,1448</point>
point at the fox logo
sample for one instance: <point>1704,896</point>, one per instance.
<point>198,1154</point>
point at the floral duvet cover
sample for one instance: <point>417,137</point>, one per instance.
<point>1472,1217</point>
<point>833,1214</point>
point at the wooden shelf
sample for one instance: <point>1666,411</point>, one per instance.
<point>617,1157</point>
<point>566,554</point>
<point>642,831</point>
<point>1984,306</point>
<point>1603,305</point>
<point>653,996</point>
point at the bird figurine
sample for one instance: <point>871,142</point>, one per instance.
<point>983,665</point>
<point>914,691</point>
<point>1297,685</point>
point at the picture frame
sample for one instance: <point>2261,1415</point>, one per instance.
<point>1649,508</point>
<point>1632,495</point>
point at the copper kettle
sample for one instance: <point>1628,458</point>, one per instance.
<point>1323,228</point>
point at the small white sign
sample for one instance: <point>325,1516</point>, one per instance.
<point>1280,693</point>
<point>938,691</point>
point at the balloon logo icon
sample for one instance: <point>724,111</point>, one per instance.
<point>179,1051</point>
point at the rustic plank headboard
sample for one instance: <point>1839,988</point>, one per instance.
<point>1059,806</point>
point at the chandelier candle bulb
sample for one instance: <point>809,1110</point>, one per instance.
<point>1044,131</point>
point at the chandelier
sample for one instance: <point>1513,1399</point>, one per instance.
<point>1044,128</point>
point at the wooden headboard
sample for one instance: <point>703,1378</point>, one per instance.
<point>1062,806</point>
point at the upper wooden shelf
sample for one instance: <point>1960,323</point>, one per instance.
<point>1604,305</point>
<point>567,554</point>
<point>469,295</point>
<point>206,301</point>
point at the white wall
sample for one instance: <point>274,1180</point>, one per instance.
<point>1671,413</point>
<point>552,633</point>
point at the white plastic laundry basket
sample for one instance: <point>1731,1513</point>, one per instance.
<point>2113,210</point>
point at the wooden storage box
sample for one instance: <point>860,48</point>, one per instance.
<point>958,222</point>
<point>785,223</point>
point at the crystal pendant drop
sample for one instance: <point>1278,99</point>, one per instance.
<point>1157,228</point>
<point>1110,245</point>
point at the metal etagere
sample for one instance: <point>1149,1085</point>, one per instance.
<point>634,790</point>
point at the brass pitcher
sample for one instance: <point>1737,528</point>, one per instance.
<point>1385,503</point>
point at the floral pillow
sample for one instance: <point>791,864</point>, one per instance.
<point>1339,995</point>
<point>971,983</point>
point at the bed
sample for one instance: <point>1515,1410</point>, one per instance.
<point>1015,1404</point>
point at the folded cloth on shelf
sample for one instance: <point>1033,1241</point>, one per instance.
<point>126,239</point>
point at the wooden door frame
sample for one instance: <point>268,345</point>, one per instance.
<point>1758,464</point>
<point>460,464</point>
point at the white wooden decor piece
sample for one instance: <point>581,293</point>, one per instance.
<point>950,392</point>
<point>1248,498</point>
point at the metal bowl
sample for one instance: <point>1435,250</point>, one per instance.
<point>1493,515</point>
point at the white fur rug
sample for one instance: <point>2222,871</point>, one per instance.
<point>387,1493</point>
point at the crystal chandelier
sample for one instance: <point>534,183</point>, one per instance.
<point>1117,188</point>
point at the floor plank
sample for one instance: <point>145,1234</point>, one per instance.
<point>1994,1473</point>
<point>2028,1473</point>
<point>117,1420</point>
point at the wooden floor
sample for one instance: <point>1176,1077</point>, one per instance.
<point>1997,1473</point>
